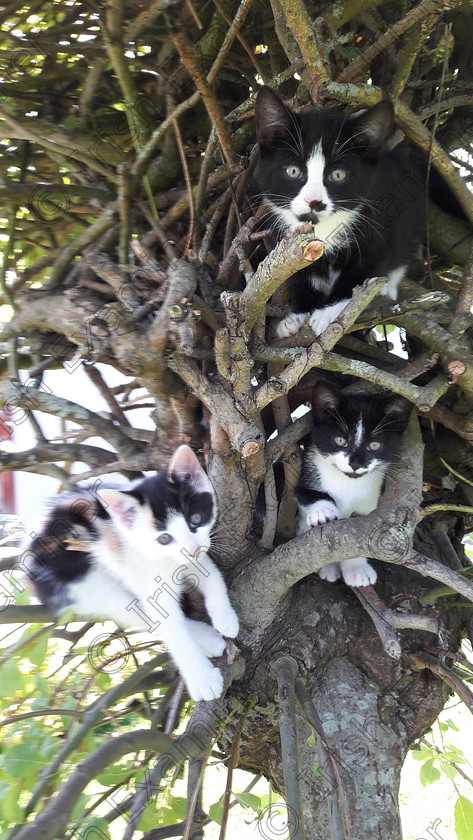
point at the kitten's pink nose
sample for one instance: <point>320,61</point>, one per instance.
<point>315,203</point>
<point>192,548</point>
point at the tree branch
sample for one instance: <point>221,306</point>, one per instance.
<point>285,669</point>
<point>53,820</point>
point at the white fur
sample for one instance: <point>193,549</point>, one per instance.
<point>137,582</point>
<point>317,514</point>
<point>351,496</point>
<point>359,432</point>
<point>290,325</point>
<point>314,188</point>
<point>358,572</point>
<point>323,284</point>
<point>330,572</point>
<point>335,229</point>
<point>390,289</point>
<point>320,319</point>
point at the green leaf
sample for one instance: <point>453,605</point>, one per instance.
<point>37,649</point>
<point>216,811</point>
<point>249,800</point>
<point>80,805</point>
<point>451,725</point>
<point>384,328</point>
<point>447,768</point>
<point>429,773</point>
<point>103,680</point>
<point>148,817</point>
<point>422,753</point>
<point>23,761</point>
<point>9,806</point>
<point>311,741</point>
<point>464,818</point>
<point>42,692</point>
<point>115,774</point>
<point>179,806</point>
<point>175,813</point>
<point>95,828</point>
<point>452,754</point>
<point>11,679</point>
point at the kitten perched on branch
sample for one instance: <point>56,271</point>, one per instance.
<point>365,203</point>
<point>352,446</point>
<point>130,555</point>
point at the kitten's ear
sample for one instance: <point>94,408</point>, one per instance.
<point>399,409</point>
<point>324,401</point>
<point>372,128</point>
<point>273,119</point>
<point>122,507</point>
<point>185,465</point>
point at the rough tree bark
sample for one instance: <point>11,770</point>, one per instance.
<point>133,240</point>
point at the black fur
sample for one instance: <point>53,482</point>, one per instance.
<point>52,561</point>
<point>164,495</point>
<point>386,186</point>
<point>384,420</point>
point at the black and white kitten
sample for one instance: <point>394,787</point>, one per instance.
<point>130,555</point>
<point>334,171</point>
<point>352,446</point>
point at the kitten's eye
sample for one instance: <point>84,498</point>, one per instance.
<point>340,441</point>
<point>337,175</point>
<point>164,539</point>
<point>374,445</point>
<point>196,518</point>
<point>294,172</point>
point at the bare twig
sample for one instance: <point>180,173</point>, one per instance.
<point>421,660</point>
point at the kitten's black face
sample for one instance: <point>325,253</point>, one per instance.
<point>317,167</point>
<point>170,515</point>
<point>168,497</point>
<point>357,435</point>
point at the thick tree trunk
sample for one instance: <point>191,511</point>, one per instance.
<point>371,706</point>
<point>368,741</point>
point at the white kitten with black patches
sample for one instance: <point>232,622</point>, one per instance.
<point>334,171</point>
<point>344,466</point>
<point>130,555</point>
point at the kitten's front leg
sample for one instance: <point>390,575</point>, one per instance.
<point>217,602</point>
<point>211,642</point>
<point>320,319</point>
<point>204,681</point>
<point>317,513</point>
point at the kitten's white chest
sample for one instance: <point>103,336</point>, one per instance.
<point>351,495</point>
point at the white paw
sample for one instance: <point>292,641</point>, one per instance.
<point>322,318</point>
<point>226,622</point>
<point>320,512</point>
<point>207,684</point>
<point>330,572</point>
<point>290,325</point>
<point>211,642</point>
<point>358,572</point>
